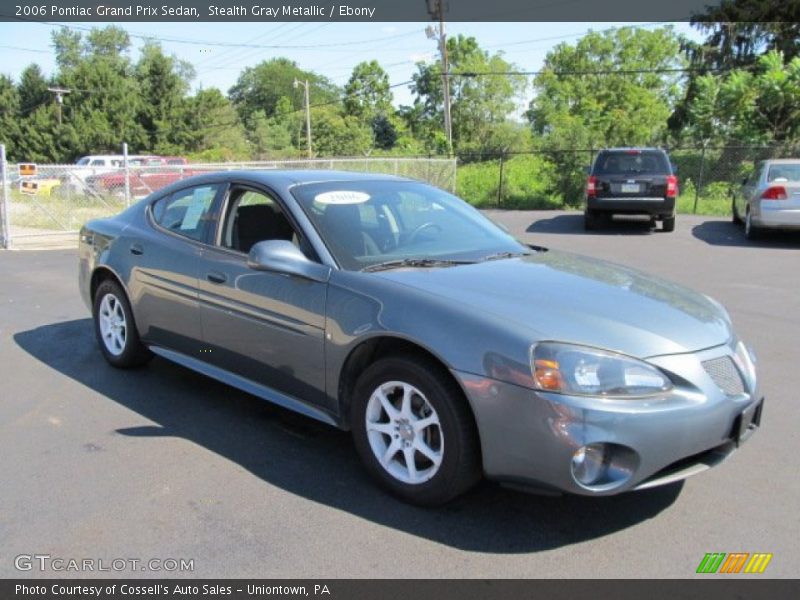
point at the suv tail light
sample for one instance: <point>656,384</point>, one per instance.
<point>775,192</point>
<point>672,186</point>
<point>591,186</point>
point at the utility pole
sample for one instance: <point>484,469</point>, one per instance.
<point>59,94</point>
<point>308,113</point>
<point>436,10</point>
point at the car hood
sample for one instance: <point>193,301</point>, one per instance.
<point>565,297</point>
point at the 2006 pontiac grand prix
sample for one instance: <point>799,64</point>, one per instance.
<point>390,308</point>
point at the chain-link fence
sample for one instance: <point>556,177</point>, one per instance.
<point>557,178</point>
<point>58,199</point>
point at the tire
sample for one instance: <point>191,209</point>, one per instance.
<point>590,220</point>
<point>115,328</point>
<point>451,462</point>
<point>751,232</point>
<point>737,220</point>
<point>668,224</point>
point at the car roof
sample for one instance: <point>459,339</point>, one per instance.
<point>783,161</point>
<point>633,148</point>
<point>279,179</point>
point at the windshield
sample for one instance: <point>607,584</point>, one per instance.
<point>364,223</point>
<point>83,161</point>
<point>629,162</point>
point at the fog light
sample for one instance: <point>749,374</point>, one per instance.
<point>589,463</point>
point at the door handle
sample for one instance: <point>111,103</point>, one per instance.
<point>137,249</point>
<point>216,277</point>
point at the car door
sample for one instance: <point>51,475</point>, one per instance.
<point>165,264</point>
<point>266,327</point>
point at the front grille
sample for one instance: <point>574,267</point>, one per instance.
<point>725,374</point>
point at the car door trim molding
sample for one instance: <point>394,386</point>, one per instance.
<point>246,385</point>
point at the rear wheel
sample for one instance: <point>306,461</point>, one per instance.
<point>668,224</point>
<point>115,329</point>
<point>590,220</point>
<point>737,219</point>
<point>414,432</point>
<point>751,231</point>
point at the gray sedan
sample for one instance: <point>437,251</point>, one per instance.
<point>451,350</point>
<point>769,198</point>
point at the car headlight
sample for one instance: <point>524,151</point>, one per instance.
<point>585,371</point>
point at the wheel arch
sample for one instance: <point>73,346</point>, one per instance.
<point>374,348</point>
<point>101,274</point>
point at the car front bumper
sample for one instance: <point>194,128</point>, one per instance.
<point>529,438</point>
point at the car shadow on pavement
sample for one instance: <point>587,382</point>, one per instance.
<point>572,224</point>
<point>319,462</point>
<point>727,233</point>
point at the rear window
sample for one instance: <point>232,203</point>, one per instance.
<point>784,173</point>
<point>626,162</point>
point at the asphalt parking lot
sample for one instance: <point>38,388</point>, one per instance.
<point>164,463</point>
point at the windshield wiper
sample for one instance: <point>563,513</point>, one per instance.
<point>416,262</point>
<point>502,255</point>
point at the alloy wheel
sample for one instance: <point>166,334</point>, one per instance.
<point>404,432</point>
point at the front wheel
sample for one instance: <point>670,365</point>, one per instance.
<point>414,432</point>
<point>737,219</point>
<point>114,327</point>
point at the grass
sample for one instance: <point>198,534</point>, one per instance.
<point>719,207</point>
<point>58,212</point>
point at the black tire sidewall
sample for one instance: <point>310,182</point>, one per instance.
<point>460,468</point>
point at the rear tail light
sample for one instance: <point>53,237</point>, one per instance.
<point>672,186</point>
<point>591,186</point>
<point>775,192</point>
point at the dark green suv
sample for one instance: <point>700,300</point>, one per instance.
<point>632,181</point>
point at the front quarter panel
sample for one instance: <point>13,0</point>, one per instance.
<point>362,307</point>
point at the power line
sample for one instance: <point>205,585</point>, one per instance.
<point>194,42</point>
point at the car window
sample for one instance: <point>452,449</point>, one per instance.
<point>631,162</point>
<point>97,162</point>
<point>83,161</point>
<point>787,172</point>
<point>187,212</point>
<point>368,222</point>
<point>254,216</point>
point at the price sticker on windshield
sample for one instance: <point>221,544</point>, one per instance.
<point>341,197</point>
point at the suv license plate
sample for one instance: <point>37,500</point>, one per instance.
<point>630,188</point>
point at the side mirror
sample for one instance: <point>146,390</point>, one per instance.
<point>587,169</point>
<point>280,256</point>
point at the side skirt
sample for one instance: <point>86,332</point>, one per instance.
<point>244,384</point>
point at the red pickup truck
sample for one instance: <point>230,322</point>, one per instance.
<point>146,175</point>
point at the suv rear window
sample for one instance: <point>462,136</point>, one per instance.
<point>623,162</point>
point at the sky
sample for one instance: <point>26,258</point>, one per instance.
<point>331,49</point>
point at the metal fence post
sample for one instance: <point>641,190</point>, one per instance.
<point>699,177</point>
<point>127,174</point>
<point>4,215</point>
<point>500,182</point>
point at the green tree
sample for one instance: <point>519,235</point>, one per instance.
<point>482,95</point>
<point>260,88</point>
<point>217,132</point>
<point>33,88</point>
<point>758,105</point>
<point>163,82</point>
<point>625,103</point>
<point>367,93</point>
<point>337,135</point>
<point>101,111</point>
<point>9,117</point>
